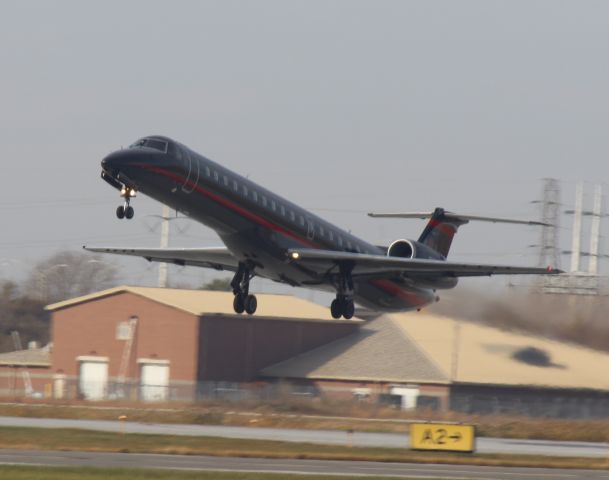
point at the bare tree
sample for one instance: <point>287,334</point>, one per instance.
<point>69,274</point>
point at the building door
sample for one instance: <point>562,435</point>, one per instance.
<point>93,379</point>
<point>409,396</point>
<point>154,382</point>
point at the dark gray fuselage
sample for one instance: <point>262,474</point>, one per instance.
<point>257,225</point>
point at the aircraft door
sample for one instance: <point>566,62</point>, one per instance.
<point>192,178</point>
<point>310,229</point>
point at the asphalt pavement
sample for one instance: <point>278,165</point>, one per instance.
<point>311,467</point>
<point>326,437</point>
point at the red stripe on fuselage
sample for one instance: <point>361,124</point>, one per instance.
<point>232,206</point>
<point>407,295</point>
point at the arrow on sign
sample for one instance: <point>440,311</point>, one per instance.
<point>455,437</point>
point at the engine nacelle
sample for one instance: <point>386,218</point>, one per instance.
<point>405,248</point>
<point>402,248</point>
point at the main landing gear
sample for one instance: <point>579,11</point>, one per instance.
<point>241,285</point>
<point>342,305</point>
<point>126,210</point>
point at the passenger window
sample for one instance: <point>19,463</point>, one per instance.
<point>244,191</point>
<point>254,196</point>
<point>292,216</point>
<point>330,235</point>
<point>340,241</point>
<point>273,205</point>
<point>349,247</point>
<point>216,176</point>
<point>263,198</point>
<point>235,186</point>
<point>225,180</point>
<point>302,220</point>
<point>321,231</point>
<point>207,171</point>
<point>282,209</point>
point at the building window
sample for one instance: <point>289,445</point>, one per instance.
<point>123,330</point>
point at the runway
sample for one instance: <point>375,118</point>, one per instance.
<point>312,467</point>
<point>326,437</point>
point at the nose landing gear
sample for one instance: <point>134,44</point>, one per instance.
<point>243,302</point>
<point>126,210</point>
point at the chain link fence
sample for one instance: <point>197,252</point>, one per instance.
<point>471,400</point>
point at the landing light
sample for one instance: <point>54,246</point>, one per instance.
<point>295,255</point>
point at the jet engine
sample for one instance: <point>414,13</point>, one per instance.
<point>405,248</point>
<point>402,248</point>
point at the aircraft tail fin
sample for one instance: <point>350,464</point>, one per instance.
<point>442,226</point>
<point>440,230</point>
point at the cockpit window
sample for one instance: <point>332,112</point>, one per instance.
<point>160,145</point>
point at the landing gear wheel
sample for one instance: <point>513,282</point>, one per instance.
<point>120,212</point>
<point>336,308</point>
<point>348,309</point>
<point>129,212</point>
<point>241,286</point>
<point>238,303</point>
<point>251,303</point>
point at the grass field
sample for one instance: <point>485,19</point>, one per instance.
<point>47,473</point>
<point>362,418</point>
<point>83,440</point>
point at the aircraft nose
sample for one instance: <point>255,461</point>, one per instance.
<point>118,160</point>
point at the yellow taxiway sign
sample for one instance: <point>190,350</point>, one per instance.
<point>439,436</point>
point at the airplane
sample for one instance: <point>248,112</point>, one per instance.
<point>265,235</point>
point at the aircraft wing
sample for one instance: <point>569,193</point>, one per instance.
<point>218,258</point>
<point>381,265</point>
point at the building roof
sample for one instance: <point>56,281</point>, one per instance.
<point>35,357</point>
<point>201,302</point>
<point>428,348</point>
<point>378,351</point>
<point>488,355</point>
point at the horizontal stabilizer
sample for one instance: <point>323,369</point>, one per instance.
<point>458,217</point>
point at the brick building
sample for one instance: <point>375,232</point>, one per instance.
<point>25,369</point>
<point>162,344</point>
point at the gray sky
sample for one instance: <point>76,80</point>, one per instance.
<point>341,106</point>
